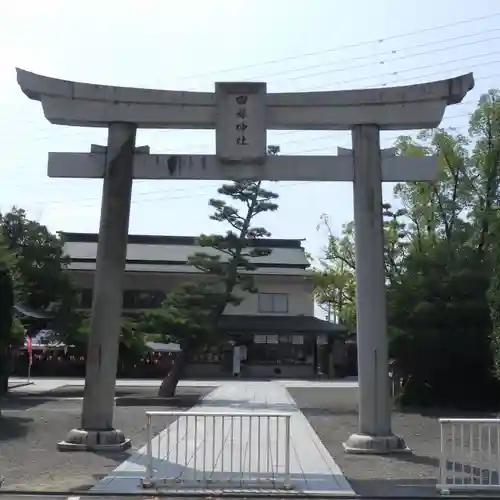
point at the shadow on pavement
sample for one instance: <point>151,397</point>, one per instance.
<point>312,410</point>
<point>395,488</point>
<point>135,396</point>
<point>13,427</point>
<point>447,412</point>
<point>129,480</point>
<point>417,459</point>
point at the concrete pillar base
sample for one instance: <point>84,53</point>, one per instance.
<point>375,445</point>
<point>94,440</point>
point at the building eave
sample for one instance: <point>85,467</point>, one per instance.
<point>183,269</point>
<point>30,312</point>
<point>152,239</point>
<point>278,324</point>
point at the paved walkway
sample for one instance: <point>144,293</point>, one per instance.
<point>19,384</point>
<point>312,469</point>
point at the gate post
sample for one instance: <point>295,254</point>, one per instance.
<point>97,430</point>
<point>374,425</point>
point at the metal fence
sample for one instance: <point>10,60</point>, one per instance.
<point>205,449</point>
<point>470,455</point>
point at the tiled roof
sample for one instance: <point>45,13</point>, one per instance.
<point>278,324</point>
<point>151,239</point>
<point>31,313</point>
<point>163,253</point>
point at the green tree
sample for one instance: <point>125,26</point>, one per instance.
<point>6,316</point>
<point>335,277</point>
<point>233,255</point>
<point>38,268</point>
<point>494,297</point>
<point>442,265</point>
<point>132,339</point>
<point>436,210</point>
<point>438,310</point>
<point>485,127</point>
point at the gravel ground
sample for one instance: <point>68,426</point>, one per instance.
<point>31,426</point>
<point>332,412</point>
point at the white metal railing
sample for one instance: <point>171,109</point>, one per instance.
<point>470,454</point>
<point>206,449</point>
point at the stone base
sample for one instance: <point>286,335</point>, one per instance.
<point>375,445</point>
<point>94,440</point>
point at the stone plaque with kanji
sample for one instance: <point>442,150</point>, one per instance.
<point>241,122</point>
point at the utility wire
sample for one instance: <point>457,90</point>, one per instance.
<point>369,56</point>
<point>396,51</point>
<point>329,136</point>
<point>392,59</point>
<point>343,48</point>
<point>162,192</point>
<point>75,132</point>
<point>165,194</point>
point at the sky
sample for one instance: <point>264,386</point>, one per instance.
<point>293,45</point>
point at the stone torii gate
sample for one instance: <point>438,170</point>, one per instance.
<point>241,114</point>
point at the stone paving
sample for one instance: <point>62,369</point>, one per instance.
<point>19,384</point>
<point>34,421</point>
<point>312,469</point>
<point>31,426</point>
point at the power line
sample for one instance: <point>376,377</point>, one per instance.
<point>182,190</point>
<point>342,48</point>
<point>404,57</point>
<point>386,74</point>
<point>76,132</point>
<point>191,195</point>
<point>204,146</point>
<point>391,52</point>
<point>398,80</point>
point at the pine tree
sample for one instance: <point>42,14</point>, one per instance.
<point>233,260</point>
<point>191,314</point>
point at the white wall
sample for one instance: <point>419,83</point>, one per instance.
<point>298,288</point>
<point>300,297</point>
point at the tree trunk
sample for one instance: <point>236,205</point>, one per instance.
<point>4,371</point>
<point>169,383</point>
<point>4,384</point>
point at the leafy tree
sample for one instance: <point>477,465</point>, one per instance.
<point>438,310</point>
<point>484,126</point>
<point>6,317</point>
<point>132,340</point>
<point>442,265</point>
<point>438,313</point>
<point>335,278</point>
<point>436,210</point>
<point>494,298</point>
<point>190,316</point>
<point>38,268</point>
<point>184,317</point>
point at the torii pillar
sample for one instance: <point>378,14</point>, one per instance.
<point>374,434</point>
<point>241,113</point>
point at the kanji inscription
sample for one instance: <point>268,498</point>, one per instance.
<point>241,127</point>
